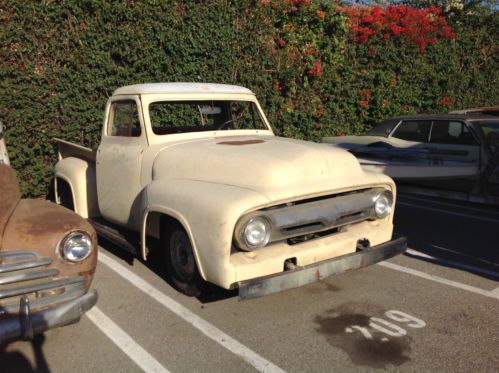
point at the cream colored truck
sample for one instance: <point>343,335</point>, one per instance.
<point>197,169</point>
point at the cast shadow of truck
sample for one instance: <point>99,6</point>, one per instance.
<point>451,240</point>
<point>156,264</point>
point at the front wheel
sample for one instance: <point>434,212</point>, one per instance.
<point>180,261</point>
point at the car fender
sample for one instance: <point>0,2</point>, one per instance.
<point>80,176</point>
<point>208,212</point>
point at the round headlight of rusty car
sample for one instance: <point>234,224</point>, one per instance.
<point>256,233</point>
<point>383,204</point>
<point>76,246</point>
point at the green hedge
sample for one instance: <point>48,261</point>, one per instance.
<point>60,61</point>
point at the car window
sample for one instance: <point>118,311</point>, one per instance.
<point>413,130</point>
<point>489,127</point>
<point>451,132</point>
<point>169,117</point>
<point>124,119</point>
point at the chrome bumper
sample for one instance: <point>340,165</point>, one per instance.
<point>34,299</point>
<point>26,324</point>
<point>305,275</point>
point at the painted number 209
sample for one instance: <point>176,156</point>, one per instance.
<point>387,327</point>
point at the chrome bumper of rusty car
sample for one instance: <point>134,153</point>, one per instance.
<point>27,324</point>
<point>315,272</point>
<point>34,298</point>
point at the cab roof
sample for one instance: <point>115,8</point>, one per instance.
<point>178,87</point>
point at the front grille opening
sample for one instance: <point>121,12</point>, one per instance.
<point>289,264</point>
<point>356,216</point>
<point>312,236</point>
<point>297,229</point>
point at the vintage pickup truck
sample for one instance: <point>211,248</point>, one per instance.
<point>48,257</point>
<point>196,169</point>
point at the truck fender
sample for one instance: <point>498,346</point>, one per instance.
<point>163,211</point>
<point>208,212</point>
<point>79,174</point>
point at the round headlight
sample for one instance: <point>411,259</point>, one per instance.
<point>76,247</point>
<point>383,205</point>
<point>256,233</point>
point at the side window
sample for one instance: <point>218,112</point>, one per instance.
<point>413,130</point>
<point>451,132</point>
<point>124,119</point>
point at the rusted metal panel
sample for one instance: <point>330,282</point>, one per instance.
<point>39,225</point>
<point>316,272</point>
<point>39,289</point>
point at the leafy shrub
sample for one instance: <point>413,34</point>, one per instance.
<point>314,74</point>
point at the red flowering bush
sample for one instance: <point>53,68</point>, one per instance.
<point>419,27</point>
<point>445,101</point>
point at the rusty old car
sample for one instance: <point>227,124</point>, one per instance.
<point>48,256</point>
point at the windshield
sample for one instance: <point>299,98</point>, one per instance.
<point>169,117</point>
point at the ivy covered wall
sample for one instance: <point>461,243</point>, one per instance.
<point>318,67</point>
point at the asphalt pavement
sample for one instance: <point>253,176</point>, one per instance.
<point>436,308</point>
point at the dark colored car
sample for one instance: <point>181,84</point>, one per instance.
<point>448,151</point>
<point>48,256</point>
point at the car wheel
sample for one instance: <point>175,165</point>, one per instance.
<point>180,261</point>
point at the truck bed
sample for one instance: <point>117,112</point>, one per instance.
<point>68,149</point>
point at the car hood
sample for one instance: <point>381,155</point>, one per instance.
<point>276,167</point>
<point>351,142</point>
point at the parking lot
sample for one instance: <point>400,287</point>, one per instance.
<point>436,308</point>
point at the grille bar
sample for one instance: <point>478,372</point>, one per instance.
<point>27,276</point>
<point>17,266</point>
<point>38,287</point>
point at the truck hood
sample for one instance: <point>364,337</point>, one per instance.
<point>277,167</point>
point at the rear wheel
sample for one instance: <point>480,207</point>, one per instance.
<point>180,261</point>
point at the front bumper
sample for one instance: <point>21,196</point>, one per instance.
<point>305,275</point>
<point>27,324</point>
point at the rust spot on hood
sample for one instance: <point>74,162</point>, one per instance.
<point>241,142</point>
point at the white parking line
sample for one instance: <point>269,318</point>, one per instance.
<point>396,267</point>
<point>452,263</point>
<point>121,339</point>
<point>449,212</point>
<point>251,357</point>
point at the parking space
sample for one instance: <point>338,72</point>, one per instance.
<point>435,308</point>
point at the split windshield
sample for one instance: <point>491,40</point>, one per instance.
<point>168,117</point>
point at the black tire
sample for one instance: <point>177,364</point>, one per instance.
<point>180,261</point>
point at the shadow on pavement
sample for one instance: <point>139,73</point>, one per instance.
<point>156,264</point>
<point>460,242</point>
<point>15,361</point>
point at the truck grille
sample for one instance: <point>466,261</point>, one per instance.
<point>26,274</point>
<point>303,220</point>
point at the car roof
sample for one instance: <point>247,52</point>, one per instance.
<point>387,125</point>
<point>483,110</point>
<point>180,87</point>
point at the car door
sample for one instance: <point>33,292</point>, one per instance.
<point>119,160</point>
<point>452,140</point>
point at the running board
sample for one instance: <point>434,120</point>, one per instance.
<point>121,237</point>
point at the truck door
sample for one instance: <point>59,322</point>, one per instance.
<point>119,161</point>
